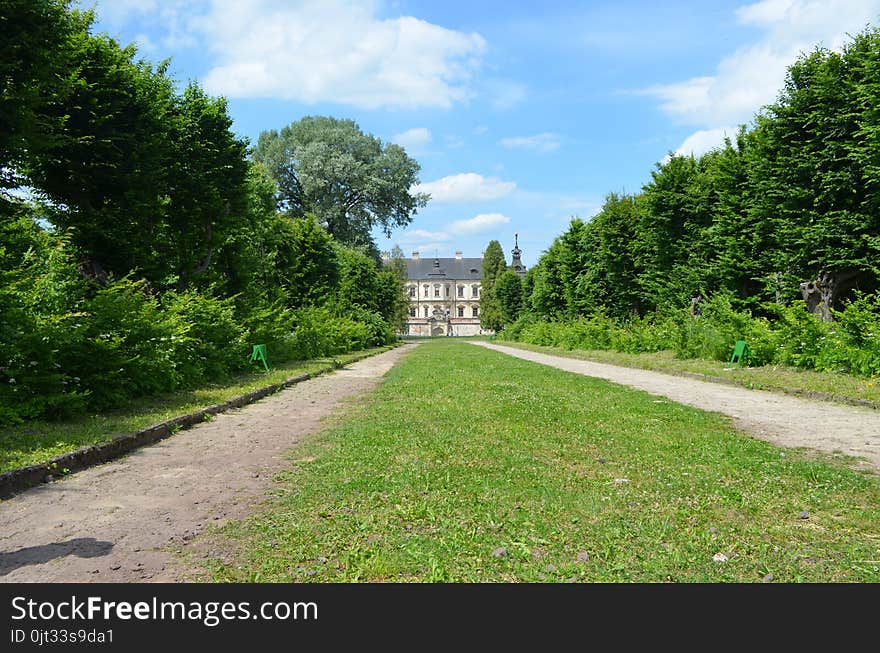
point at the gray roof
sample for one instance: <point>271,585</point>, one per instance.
<point>444,269</point>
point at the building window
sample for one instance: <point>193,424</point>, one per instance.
<point>475,291</point>
<point>447,291</point>
<point>412,312</point>
<point>426,311</point>
<point>436,291</point>
<point>426,290</point>
<point>476,311</point>
<point>461,311</point>
<point>412,291</point>
<point>461,291</point>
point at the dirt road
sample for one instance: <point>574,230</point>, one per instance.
<point>111,523</point>
<point>781,419</point>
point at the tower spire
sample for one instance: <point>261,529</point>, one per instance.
<point>516,263</point>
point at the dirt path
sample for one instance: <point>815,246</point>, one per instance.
<point>781,419</point>
<point>111,523</point>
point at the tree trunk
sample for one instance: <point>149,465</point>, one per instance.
<point>822,293</point>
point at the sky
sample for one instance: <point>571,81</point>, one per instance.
<point>521,115</point>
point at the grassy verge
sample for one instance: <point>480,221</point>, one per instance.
<point>841,387</point>
<point>467,465</point>
<point>38,441</point>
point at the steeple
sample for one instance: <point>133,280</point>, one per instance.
<point>516,264</point>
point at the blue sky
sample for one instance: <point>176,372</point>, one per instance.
<point>521,114</point>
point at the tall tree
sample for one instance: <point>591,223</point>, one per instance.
<point>35,39</point>
<point>350,180</point>
<point>493,265</point>
<point>106,168</point>
<point>610,282</point>
<point>508,291</point>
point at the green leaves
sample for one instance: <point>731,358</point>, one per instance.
<point>349,180</point>
<point>795,197</point>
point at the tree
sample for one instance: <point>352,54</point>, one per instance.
<point>106,167</point>
<point>207,184</point>
<point>358,280</point>
<point>493,265</point>
<point>35,39</point>
<point>508,292</point>
<point>350,180</point>
<point>609,283</point>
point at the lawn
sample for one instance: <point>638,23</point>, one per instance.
<point>467,465</point>
<point>37,441</point>
<point>835,386</point>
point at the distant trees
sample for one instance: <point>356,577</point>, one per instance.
<point>351,181</point>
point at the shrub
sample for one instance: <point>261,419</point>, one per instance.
<point>792,337</point>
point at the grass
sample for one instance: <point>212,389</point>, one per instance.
<point>467,465</point>
<point>780,378</point>
<point>37,441</point>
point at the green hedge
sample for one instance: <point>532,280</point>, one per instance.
<point>795,337</point>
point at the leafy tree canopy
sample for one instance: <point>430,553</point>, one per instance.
<point>351,181</point>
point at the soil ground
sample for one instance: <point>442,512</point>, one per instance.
<point>115,522</point>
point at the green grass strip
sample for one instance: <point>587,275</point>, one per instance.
<point>37,441</point>
<point>467,465</point>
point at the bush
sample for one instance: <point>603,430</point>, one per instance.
<point>793,337</point>
<point>218,340</point>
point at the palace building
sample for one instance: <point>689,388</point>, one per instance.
<point>444,294</point>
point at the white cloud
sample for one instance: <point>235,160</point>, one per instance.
<point>752,76</point>
<point>335,51</point>
<point>413,140</point>
<point>413,235</point>
<point>546,142</point>
<point>479,129</point>
<point>313,51</point>
<point>705,140</point>
<point>477,224</point>
<point>466,187</point>
<point>429,248</point>
<point>764,13</point>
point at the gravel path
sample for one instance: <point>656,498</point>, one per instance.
<point>781,419</point>
<point>113,522</point>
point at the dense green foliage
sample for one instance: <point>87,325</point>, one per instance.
<point>795,198</point>
<point>150,254</point>
<point>792,337</point>
<point>493,266</point>
<point>349,180</point>
<point>508,293</point>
